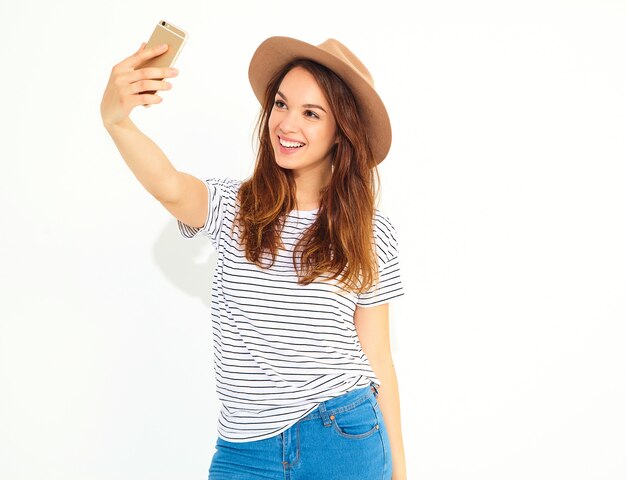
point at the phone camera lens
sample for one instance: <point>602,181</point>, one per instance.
<point>163,23</point>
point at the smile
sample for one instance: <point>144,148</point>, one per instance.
<point>287,144</point>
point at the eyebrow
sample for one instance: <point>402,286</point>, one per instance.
<point>306,105</point>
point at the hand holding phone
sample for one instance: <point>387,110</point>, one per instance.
<point>136,79</point>
<point>164,34</point>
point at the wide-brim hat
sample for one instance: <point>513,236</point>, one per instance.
<point>275,52</point>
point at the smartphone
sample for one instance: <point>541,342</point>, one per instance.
<point>164,32</point>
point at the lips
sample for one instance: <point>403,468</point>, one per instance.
<point>289,150</point>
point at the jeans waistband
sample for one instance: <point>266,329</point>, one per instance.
<point>342,403</point>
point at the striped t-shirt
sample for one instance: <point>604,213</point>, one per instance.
<point>280,349</point>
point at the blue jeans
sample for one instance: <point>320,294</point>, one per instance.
<point>343,438</point>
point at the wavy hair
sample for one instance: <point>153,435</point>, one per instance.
<point>340,243</point>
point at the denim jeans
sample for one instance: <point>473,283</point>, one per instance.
<point>343,438</point>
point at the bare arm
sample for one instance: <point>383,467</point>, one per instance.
<point>183,195</point>
<point>372,326</point>
<point>127,87</point>
<point>389,402</point>
<point>146,160</point>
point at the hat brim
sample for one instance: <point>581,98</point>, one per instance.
<point>275,52</point>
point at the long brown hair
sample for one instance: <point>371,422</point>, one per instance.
<point>340,241</point>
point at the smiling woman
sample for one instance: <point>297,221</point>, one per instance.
<point>306,267</point>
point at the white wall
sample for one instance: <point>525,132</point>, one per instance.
<point>505,182</point>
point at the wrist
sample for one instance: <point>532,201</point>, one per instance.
<point>125,124</point>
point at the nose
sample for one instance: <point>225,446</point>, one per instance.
<point>288,122</point>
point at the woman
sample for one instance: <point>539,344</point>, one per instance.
<point>306,266</point>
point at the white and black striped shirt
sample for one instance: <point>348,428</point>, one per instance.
<point>282,348</point>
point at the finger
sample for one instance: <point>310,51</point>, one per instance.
<point>146,99</point>
<point>151,73</point>
<point>143,44</point>
<point>144,54</point>
<point>149,86</point>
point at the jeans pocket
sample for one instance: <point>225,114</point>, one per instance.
<point>359,422</point>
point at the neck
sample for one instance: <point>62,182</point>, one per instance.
<point>308,187</point>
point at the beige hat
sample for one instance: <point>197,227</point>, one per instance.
<point>275,52</point>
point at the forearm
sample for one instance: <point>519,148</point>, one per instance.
<point>389,402</point>
<point>146,160</point>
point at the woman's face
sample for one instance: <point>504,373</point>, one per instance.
<point>301,125</point>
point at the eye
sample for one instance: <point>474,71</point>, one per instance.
<point>278,103</point>
<point>315,115</point>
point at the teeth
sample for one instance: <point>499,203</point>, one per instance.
<point>285,143</point>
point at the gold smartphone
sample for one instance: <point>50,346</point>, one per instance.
<point>164,32</point>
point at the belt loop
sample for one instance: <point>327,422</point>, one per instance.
<point>324,415</point>
<point>374,389</point>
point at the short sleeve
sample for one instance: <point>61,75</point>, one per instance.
<point>390,283</point>
<point>222,196</point>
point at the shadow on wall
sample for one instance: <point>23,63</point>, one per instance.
<point>189,264</point>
